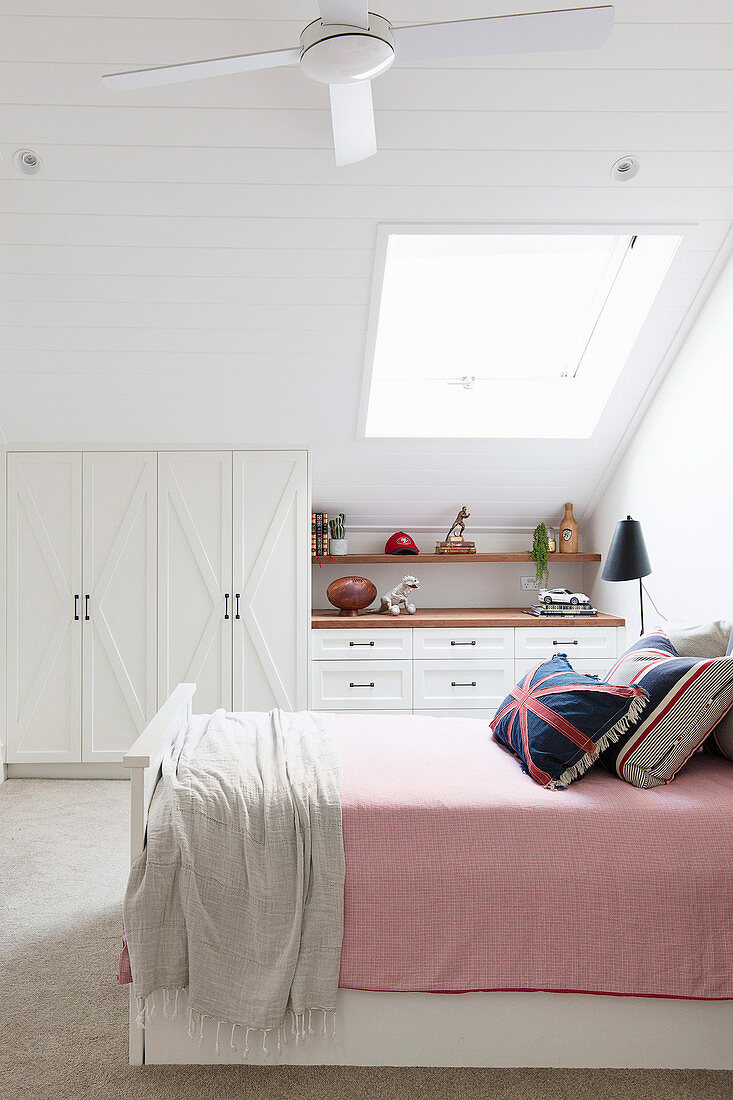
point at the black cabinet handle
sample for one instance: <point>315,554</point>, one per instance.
<point>453,684</point>
<point>362,685</point>
<point>226,605</point>
<point>360,643</point>
<point>237,615</point>
<point>76,608</point>
<point>86,608</point>
<point>463,643</point>
<point>576,642</point>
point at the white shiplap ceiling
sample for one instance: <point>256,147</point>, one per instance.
<point>191,267</point>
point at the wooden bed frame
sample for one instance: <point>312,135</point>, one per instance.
<point>433,1029</point>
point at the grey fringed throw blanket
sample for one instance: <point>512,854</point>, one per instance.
<point>238,894</point>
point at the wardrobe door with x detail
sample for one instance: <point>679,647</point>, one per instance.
<point>271,580</point>
<point>195,575</point>
<point>119,694</point>
<point>44,628</point>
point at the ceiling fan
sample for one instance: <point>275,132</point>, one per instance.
<point>349,46</point>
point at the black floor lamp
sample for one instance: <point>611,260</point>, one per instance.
<point>627,559</point>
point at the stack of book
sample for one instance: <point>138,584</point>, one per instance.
<point>319,534</point>
<point>465,548</point>
<point>455,544</point>
<point>561,610</point>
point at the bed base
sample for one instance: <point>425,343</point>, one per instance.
<point>433,1029</point>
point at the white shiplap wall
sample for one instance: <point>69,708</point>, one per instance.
<point>191,267</point>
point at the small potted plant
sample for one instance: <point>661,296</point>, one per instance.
<point>539,554</point>
<point>338,544</point>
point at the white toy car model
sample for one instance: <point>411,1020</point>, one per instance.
<point>549,596</point>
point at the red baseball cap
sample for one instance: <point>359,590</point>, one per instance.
<point>400,543</point>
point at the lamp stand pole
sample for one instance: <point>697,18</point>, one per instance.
<point>641,605</point>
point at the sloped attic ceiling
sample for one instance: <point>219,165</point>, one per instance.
<point>190,267</point>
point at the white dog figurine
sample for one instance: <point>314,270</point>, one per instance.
<point>396,599</point>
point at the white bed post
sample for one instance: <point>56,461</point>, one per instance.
<point>144,761</point>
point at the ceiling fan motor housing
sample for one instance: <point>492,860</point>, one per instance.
<point>336,53</point>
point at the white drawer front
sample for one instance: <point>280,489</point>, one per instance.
<point>475,714</point>
<point>361,686</point>
<point>459,685</point>
<point>361,644</point>
<point>464,643</point>
<point>371,713</point>
<point>583,664</point>
<point>594,642</point>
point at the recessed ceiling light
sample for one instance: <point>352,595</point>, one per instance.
<point>625,168</point>
<point>27,162</point>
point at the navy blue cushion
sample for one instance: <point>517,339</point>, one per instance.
<point>557,721</point>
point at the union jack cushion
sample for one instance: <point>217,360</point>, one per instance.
<point>688,696</point>
<point>557,721</point>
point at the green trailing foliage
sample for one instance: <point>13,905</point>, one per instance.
<point>337,526</point>
<point>539,553</point>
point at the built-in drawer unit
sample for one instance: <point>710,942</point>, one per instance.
<point>442,671</point>
<point>361,644</point>
<point>597,643</point>
<point>464,644</point>
<point>486,715</point>
<point>583,664</point>
<point>453,685</point>
<point>361,685</point>
<point>372,713</point>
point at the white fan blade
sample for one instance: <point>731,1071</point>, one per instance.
<point>573,29</point>
<point>352,115</point>
<point>355,13</point>
<point>200,70</point>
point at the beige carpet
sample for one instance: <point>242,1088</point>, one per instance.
<point>63,1020</point>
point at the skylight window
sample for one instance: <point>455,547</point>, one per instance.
<point>489,335</point>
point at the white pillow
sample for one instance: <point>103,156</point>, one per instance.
<point>705,640</point>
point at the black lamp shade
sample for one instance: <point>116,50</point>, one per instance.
<point>627,559</point>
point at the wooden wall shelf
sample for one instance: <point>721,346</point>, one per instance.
<point>445,559</point>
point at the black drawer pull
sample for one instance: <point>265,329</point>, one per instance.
<point>76,608</point>
<point>361,685</point>
<point>575,642</point>
<point>237,615</point>
<point>360,643</point>
<point>226,605</point>
<point>86,608</point>
<point>454,684</point>
<point>463,643</point>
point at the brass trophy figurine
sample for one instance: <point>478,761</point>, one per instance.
<point>454,542</point>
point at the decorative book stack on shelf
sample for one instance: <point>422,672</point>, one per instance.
<point>319,534</point>
<point>562,611</point>
<point>459,548</point>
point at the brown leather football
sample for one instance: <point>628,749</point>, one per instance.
<point>351,594</point>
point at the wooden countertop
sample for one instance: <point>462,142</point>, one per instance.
<point>446,559</point>
<point>454,616</point>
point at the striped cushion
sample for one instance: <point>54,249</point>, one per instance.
<point>720,741</point>
<point>557,721</point>
<point>687,698</point>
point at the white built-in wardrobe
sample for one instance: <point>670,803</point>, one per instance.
<point>129,572</point>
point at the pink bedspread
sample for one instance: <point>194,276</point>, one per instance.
<point>463,874</point>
